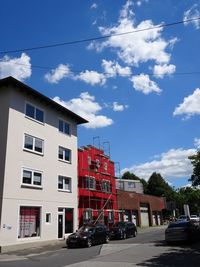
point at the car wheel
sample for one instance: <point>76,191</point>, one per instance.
<point>107,239</point>
<point>124,235</point>
<point>89,243</point>
<point>134,233</point>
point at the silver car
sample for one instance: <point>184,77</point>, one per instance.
<point>181,231</point>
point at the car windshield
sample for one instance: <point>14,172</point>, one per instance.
<point>118,224</point>
<point>176,225</point>
<point>193,216</point>
<point>85,229</point>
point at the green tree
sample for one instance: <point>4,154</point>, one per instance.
<point>195,177</point>
<point>130,176</point>
<point>158,187</point>
<point>190,196</point>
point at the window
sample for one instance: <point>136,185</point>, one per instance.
<point>105,166</point>
<point>131,185</point>
<point>34,113</point>
<point>64,183</point>
<point>48,218</point>
<point>90,183</point>
<point>106,187</point>
<point>33,144</point>
<point>29,222</point>
<point>64,127</point>
<point>64,154</point>
<point>89,160</point>
<point>32,178</point>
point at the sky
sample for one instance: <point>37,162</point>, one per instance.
<point>134,74</point>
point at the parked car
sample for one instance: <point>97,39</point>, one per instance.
<point>183,218</point>
<point>89,235</point>
<point>122,230</point>
<point>181,231</point>
<point>194,218</point>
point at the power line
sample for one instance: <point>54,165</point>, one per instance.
<point>104,73</point>
<point>98,37</point>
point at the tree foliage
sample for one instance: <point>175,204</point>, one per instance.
<point>158,187</point>
<point>195,177</point>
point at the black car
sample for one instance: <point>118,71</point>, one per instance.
<point>182,231</point>
<point>89,235</point>
<point>123,230</point>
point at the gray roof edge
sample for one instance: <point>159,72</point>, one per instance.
<point>12,81</point>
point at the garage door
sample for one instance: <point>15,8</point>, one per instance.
<point>144,216</point>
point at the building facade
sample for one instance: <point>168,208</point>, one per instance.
<point>130,185</point>
<point>96,187</point>
<point>144,210</point>
<point>38,166</point>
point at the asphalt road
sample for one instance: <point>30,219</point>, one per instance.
<point>147,249</point>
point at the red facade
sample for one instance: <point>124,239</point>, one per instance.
<point>96,187</point>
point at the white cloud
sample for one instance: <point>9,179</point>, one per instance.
<point>161,70</point>
<point>135,48</point>
<point>197,143</point>
<point>192,13</point>
<point>62,71</point>
<point>86,107</point>
<point>91,77</point>
<point>140,2</point>
<point>119,107</point>
<point>20,68</point>
<point>112,68</point>
<point>190,105</point>
<point>173,163</point>
<point>94,6</point>
<point>144,84</point>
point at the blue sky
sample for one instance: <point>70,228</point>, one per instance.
<point>134,89</point>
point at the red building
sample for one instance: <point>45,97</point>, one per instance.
<point>96,186</point>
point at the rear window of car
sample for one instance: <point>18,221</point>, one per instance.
<point>176,225</point>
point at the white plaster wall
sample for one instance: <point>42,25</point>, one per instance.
<point>48,198</point>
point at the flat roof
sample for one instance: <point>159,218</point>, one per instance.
<point>23,87</point>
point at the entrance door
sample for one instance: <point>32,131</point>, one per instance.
<point>60,225</point>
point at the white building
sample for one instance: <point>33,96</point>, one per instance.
<point>130,185</point>
<point>38,166</point>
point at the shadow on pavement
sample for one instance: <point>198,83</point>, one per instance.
<point>178,254</point>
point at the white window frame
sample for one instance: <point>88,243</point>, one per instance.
<point>50,216</point>
<point>63,154</point>
<point>31,185</point>
<point>70,183</point>
<point>35,107</point>
<point>34,141</point>
<point>131,185</point>
<point>18,218</point>
<point>64,122</point>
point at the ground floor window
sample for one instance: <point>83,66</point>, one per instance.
<point>29,222</point>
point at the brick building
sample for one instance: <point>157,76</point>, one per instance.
<point>144,210</point>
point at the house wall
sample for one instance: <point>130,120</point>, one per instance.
<point>134,202</point>
<point>49,198</point>
<point>4,104</point>
<point>96,199</point>
<point>123,184</point>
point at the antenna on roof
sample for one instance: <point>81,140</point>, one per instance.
<point>96,140</point>
<point>117,170</point>
<point>106,148</point>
